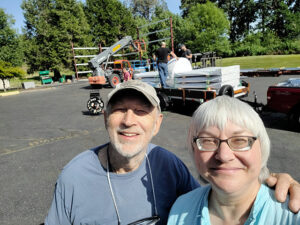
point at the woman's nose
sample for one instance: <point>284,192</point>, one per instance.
<point>224,153</point>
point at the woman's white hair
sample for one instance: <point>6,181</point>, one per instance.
<point>218,111</point>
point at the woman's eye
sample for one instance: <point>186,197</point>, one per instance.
<point>208,141</point>
<point>240,140</point>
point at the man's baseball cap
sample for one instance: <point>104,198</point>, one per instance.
<point>147,90</point>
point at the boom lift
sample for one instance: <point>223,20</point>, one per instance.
<point>100,72</point>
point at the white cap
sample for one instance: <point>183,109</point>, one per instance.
<point>147,90</point>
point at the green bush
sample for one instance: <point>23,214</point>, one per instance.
<point>266,43</point>
<point>7,71</point>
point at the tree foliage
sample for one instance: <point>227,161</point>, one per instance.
<point>247,17</point>
<point>8,71</point>
<point>228,27</point>
<point>159,28</point>
<point>240,13</point>
<point>279,16</point>
<point>109,20</point>
<point>50,27</point>
<point>187,4</point>
<point>10,43</point>
<point>146,8</point>
<point>206,29</point>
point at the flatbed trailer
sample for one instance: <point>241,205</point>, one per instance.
<point>168,96</point>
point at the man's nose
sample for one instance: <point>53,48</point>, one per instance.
<point>129,118</point>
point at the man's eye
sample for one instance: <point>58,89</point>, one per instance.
<point>119,109</point>
<point>141,111</point>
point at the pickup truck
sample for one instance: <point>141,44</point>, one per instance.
<point>285,98</point>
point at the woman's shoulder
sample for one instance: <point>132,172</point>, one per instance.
<point>267,208</point>
<point>188,207</point>
<point>194,197</point>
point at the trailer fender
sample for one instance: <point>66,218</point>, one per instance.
<point>226,90</point>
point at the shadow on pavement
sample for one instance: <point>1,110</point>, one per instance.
<point>97,87</point>
<point>271,120</point>
<point>184,109</point>
<point>88,113</point>
<point>278,121</point>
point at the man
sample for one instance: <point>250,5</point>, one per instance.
<point>186,53</point>
<point>162,59</point>
<point>128,179</point>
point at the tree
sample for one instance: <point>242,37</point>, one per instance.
<point>187,4</point>
<point>109,20</point>
<point>146,8</point>
<point>7,71</point>
<point>10,43</point>
<point>51,25</point>
<point>159,28</point>
<point>280,17</point>
<point>206,29</point>
<point>241,15</point>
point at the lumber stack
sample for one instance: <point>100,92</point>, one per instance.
<point>181,75</point>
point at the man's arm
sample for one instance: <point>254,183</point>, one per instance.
<point>189,54</point>
<point>173,55</point>
<point>285,184</point>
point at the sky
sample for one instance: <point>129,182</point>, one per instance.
<point>13,7</point>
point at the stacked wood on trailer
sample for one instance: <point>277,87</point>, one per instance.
<point>181,75</point>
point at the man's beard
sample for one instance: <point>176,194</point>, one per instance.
<point>119,148</point>
<point>141,147</point>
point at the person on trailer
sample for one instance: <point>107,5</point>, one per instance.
<point>185,52</point>
<point>161,55</point>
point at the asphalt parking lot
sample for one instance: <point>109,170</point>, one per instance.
<point>43,129</point>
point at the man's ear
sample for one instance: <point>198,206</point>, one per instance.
<point>158,123</point>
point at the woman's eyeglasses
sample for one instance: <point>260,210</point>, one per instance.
<point>237,143</point>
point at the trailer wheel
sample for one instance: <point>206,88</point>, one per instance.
<point>164,101</point>
<point>114,80</point>
<point>95,105</point>
<point>226,90</point>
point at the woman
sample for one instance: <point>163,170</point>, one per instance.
<point>230,147</point>
<point>126,74</point>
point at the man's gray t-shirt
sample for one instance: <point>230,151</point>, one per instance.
<point>82,194</point>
